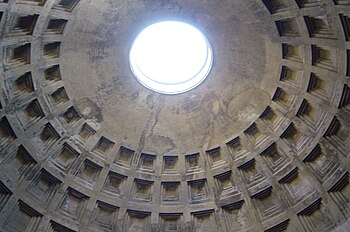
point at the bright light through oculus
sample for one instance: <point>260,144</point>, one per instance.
<point>171,57</point>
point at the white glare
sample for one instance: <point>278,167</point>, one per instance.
<point>170,57</point>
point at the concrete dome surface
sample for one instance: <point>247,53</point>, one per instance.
<point>262,144</point>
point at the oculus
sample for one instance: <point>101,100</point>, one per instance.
<point>170,57</point>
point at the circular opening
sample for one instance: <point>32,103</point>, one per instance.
<point>171,57</point>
